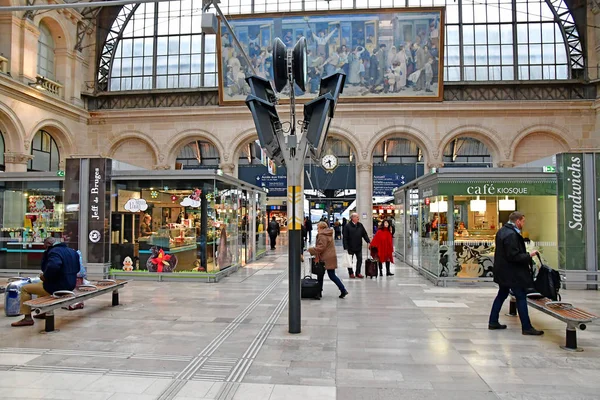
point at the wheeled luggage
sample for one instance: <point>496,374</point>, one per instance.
<point>12,296</point>
<point>310,287</point>
<point>371,268</point>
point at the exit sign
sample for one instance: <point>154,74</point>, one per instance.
<point>60,173</point>
<point>549,168</point>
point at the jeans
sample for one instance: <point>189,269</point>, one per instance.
<point>334,278</point>
<point>273,240</point>
<point>521,296</point>
<point>358,262</point>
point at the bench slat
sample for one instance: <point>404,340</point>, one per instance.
<point>49,302</point>
<point>562,312</point>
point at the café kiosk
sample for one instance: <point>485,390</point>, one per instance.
<point>447,221</point>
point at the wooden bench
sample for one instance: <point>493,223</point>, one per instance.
<point>65,298</point>
<point>575,318</point>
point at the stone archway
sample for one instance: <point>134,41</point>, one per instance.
<point>537,145</point>
<point>488,138</point>
<point>134,151</point>
<point>60,134</point>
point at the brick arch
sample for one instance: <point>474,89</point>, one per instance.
<point>404,132</point>
<point>536,145</point>
<point>560,135</point>
<point>61,135</point>
<point>140,140</point>
<point>12,129</point>
<point>60,34</point>
<point>488,137</point>
<point>185,137</point>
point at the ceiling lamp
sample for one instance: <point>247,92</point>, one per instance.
<point>478,205</point>
<point>507,205</point>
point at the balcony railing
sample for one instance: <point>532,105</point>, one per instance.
<point>43,83</point>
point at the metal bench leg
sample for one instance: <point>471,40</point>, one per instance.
<point>571,340</point>
<point>49,322</point>
<point>512,307</point>
<point>115,298</point>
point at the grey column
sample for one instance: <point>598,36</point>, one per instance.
<point>589,179</point>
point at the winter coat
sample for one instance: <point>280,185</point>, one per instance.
<point>60,265</point>
<point>385,247</point>
<point>353,236</point>
<point>511,260</point>
<point>273,229</point>
<point>324,249</point>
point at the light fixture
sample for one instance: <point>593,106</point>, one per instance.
<point>442,206</point>
<point>39,83</point>
<point>478,205</point>
<point>507,205</point>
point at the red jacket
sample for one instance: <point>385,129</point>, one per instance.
<point>385,246</point>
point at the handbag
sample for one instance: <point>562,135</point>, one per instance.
<point>317,268</point>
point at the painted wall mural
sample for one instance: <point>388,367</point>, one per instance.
<point>387,55</point>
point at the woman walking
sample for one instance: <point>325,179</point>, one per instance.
<point>382,241</point>
<point>324,251</point>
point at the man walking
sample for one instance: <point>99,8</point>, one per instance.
<point>273,231</point>
<point>512,272</point>
<point>354,233</point>
<point>60,265</point>
<point>308,226</point>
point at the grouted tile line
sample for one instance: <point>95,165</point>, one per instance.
<point>105,354</point>
<point>244,364</point>
<point>198,362</point>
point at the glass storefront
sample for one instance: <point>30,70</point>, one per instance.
<point>31,211</point>
<point>177,225</point>
<point>450,223</point>
<point>261,223</point>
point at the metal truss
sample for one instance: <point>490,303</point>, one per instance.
<point>110,45</point>
<point>550,91</point>
<point>563,15</point>
<point>86,25</point>
<point>122,101</point>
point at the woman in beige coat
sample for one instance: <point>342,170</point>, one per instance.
<point>324,251</point>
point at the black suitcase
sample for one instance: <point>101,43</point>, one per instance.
<point>310,287</point>
<point>371,267</point>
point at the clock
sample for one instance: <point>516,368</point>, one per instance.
<point>329,162</point>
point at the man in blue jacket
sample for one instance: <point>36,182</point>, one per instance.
<point>60,265</point>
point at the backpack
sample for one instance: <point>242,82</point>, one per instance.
<point>547,282</point>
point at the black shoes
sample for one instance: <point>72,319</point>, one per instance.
<point>344,294</point>
<point>533,332</point>
<point>389,274</point>
<point>495,326</point>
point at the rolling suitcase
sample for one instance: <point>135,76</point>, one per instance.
<point>12,296</point>
<point>309,286</point>
<point>371,268</point>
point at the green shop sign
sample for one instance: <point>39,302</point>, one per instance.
<point>571,206</point>
<point>520,188</point>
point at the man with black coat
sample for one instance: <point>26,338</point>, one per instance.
<point>354,233</point>
<point>512,271</point>
<point>273,231</point>
<point>60,265</point>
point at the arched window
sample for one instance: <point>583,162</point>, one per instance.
<point>467,152</point>
<point>486,40</point>
<point>198,155</point>
<point>2,150</point>
<point>159,46</point>
<point>46,49</point>
<point>45,153</point>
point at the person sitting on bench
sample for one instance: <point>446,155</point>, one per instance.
<point>60,265</point>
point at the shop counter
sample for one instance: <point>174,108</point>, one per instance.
<point>16,255</point>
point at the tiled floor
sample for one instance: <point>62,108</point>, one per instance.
<point>391,338</point>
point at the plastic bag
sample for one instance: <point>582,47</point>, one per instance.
<point>82,272</point>
<point>350,262</point>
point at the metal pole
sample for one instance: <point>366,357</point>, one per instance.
<point>91,4</point>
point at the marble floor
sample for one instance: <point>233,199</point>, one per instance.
<point>395,337</point>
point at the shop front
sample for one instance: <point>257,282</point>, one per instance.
<point>177,224</point>
<point>32,208</point>
<point>447,221</point>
